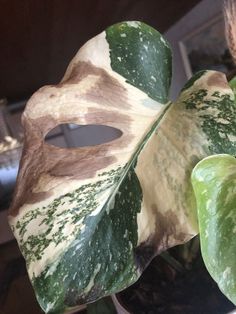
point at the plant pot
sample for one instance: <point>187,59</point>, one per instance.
<point>163,289</point>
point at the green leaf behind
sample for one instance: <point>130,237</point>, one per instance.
<point>214,183</point>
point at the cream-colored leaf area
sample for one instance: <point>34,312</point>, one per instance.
<point>164,168</point>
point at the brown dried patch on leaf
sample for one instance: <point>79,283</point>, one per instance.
<point>161,240</point>
<point>230,26</point>
<point>218,79</point>
<point>108,91</point>
<point>40,159</point>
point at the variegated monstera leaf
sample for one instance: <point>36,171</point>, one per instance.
<point>89,220</point>
<point>214,182</point>
<point>75,210</point>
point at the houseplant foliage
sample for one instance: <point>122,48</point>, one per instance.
<point>89,220</point>
<point>214,182</point>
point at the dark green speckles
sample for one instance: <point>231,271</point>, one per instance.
<point>217,114</point>
<point>100,260</point>
<point>68,209</point>
<point>221,132</point>
<point>195,99</point>
<point>141,55</point>
<point>22,225</point>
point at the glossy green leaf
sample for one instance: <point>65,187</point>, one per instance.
<point>232,84</point>
<point>140,54</point>
<point>214,183</point>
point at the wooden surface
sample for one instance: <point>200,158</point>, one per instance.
<point>39,37</point>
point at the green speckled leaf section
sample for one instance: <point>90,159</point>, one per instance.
<point>79,204</point>
<point>200,123</point>
<point>232,84</point>
<point>140,54</point>
<point>214,183</point>
<point>102,259</point>
<point>215,112</point>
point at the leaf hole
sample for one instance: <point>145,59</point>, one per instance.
<point>71,135</point>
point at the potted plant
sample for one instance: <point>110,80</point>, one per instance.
<point>89,220</point>
<point>175,286</point>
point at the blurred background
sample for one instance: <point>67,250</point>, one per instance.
<point>38,38</point>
